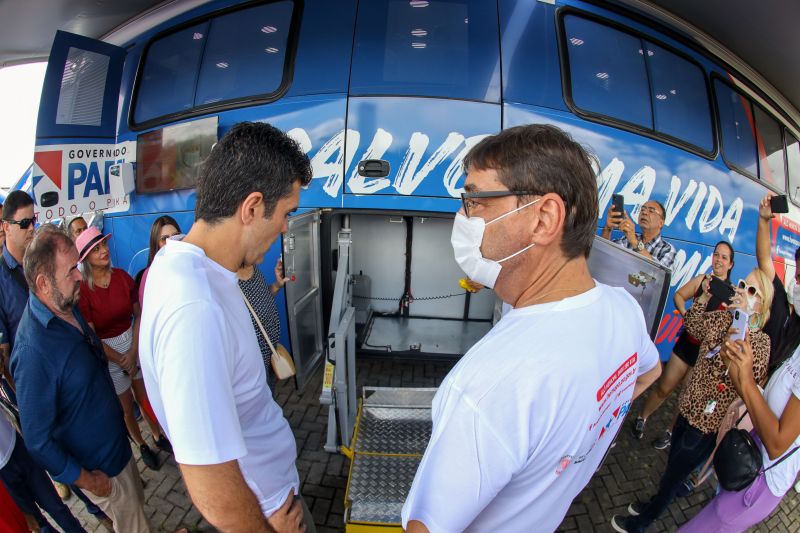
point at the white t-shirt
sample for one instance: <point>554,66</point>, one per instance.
<point>8,436</point>
<point>524,419</point>
<point>205,376</point>
<point>782,385</point>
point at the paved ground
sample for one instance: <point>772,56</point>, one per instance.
<point>632,469</point>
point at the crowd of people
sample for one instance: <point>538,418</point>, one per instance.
<point>517,434</point>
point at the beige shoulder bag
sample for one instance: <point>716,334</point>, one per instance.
<point>281,361</point>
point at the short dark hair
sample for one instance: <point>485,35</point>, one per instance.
<point>542,159</point>
<point>40,256</point>
<point>155,234</point>
<point>251,157</point>
<point>14,202</point>
<point>74,220</point>
<point>660,206</point>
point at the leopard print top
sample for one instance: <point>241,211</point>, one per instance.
<point>709,382</point>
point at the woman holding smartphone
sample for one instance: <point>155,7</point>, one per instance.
<point>705,400</point>
<point>776,419</point>
<point>687,347</point>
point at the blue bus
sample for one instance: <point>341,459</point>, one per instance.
<point>386,97</point>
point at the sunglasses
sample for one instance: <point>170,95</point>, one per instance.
<point>25,223</point>
<point>752,290</point>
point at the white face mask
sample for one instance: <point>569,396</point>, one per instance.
<point>796,298</point>
<point>467,238</point>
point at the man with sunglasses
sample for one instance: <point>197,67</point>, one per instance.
<point>525,418</point>
<point>649,242</point>
<point>19,224</point>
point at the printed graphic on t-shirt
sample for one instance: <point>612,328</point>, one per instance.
<point>622,379</point>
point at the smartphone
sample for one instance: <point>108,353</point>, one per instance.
<point>779,204</point>
<point>618,203</point>
<point>721,290</point>
<point>740,321</point>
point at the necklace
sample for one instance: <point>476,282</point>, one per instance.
<point>102,284</point>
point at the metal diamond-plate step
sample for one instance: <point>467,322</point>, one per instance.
<point>378,487</point>
<point>398,397</point>
<point>394,430</point>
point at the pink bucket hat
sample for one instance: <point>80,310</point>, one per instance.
<point>88,239</point>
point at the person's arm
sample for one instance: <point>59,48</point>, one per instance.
<point>223,497</point>
<point>280,279</point>
<point>137,320</point>
<point>645,380</point>
<point>194,379</point>
<point>613,220</point>
<point>764,238</point>
<point>776,434</point>
<point>695,318</point>
<point>37,399</point>
<point>686,292</point>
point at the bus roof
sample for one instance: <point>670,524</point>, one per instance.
<point>725,27</point>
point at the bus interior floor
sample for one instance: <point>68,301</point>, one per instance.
<point>632,469</point>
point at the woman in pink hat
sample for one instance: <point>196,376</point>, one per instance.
<point>109,303</point>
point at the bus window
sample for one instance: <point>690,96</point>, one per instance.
<point>245,53</point>
<point>736,125</point>
<point>235,55</point>
<point>793,160</point>
<point>607,72</point>
<point>169,74</point>
<point>770,150</point>
<point>680,98</point>
<point>420,48</point>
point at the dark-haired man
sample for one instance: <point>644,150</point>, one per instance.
<point>649,242</point>
<point>199,353</point>
<point>75,227</point>
<point>524,419</point>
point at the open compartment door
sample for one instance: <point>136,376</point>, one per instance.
<point>77,126</point>
<point>301,260</point>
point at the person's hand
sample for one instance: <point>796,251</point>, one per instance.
<point>280,280</point>
<point>33,525</point>
<point>614,218</point>
<point>739,300</point>
<point>96,482</point>
<point>289,518</point>
<point>627,227</point>
<point>129,361</point>
<point>738,356</point>
<point>765,209</point>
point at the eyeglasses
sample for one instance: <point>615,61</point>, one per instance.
<point>752,290</point>
<point>467,198</point>
<point>653,210</point>
<point>25,223</point>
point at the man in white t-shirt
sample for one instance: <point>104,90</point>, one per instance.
<point>526,417</point>
<point>200,358</point>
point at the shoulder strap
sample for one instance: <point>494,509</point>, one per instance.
<point>258,321</point>
<point>782,459</point>
<point>18,276</point>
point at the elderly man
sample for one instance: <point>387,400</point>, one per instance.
<point>71,418</point>
<point>525,418</point>
<point>200,357</point>
<point>649,242</point>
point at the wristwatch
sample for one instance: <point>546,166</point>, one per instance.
<point>640,246</point>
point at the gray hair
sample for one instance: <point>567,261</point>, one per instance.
<point>40,256</point>
<point>87,271</point>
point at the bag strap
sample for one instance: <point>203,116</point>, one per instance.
<point>782,459</point>
<point>18,276</point>
<point>779,461</point>
<point>258,321</point>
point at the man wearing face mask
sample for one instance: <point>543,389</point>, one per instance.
<point>649,242</point>
<point>526,417</point>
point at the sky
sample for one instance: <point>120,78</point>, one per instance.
<point>20,88</point>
